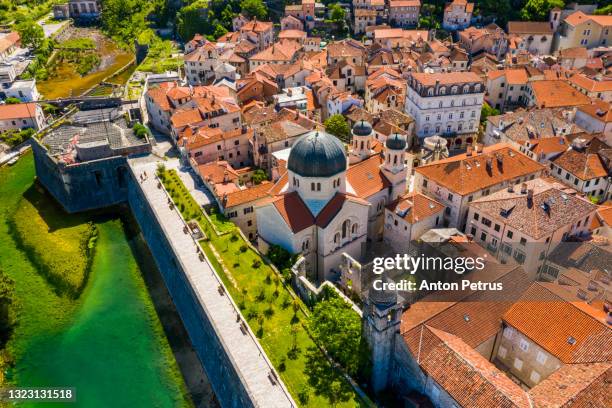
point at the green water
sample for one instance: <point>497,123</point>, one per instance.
<point>109,345</point>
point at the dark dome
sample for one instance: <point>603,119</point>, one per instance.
<point>317,154</point>
<point>383,297</point>
<point>362,128</point>
<point>396,142</point>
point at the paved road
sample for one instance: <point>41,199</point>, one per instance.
<point>50,29</point>
<point>243,348</point>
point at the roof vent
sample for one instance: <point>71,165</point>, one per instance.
<point>432,205</point>
<point>466,318</point>
<point>571,340</point>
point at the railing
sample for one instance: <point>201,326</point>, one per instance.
<point>222,292</point>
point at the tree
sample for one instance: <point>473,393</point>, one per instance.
<point>32,35</point>
<point>338,126</point>
<point>336,326</point>
<point>254,8</point>
<point>538,10</point>
<point>604,11</point>
<point>11,100</point>
<point>219,31</point>
<point>191,20</point>
<point>258,176</point>
<point>337,13</point>
<point>6,315</point>
<point>487,111</point>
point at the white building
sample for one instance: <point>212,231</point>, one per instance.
<point>457,15</point>
<point>25,91</point>
<point>445,103</point>
<point>457,181</point>
<point>323,208</point>
<point>536,36</point>
<point>21,116</point>
<point>526,223</point>
<point>408,217</point>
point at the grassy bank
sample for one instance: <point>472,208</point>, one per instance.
<point>273,313</point>
<point>108,343</point>
<point>60,247</point>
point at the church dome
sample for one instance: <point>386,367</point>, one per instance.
<point>384,297</point>
<point>317,154</point>
<point>396,142</point>
<point>362,128</point>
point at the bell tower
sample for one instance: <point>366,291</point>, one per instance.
<point>361,144</point>
<point>381,322</point>
<point>395,168</point>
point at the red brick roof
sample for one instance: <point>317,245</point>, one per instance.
<point>417,206</point>
<point>17,111</point>
<point>366,178</point>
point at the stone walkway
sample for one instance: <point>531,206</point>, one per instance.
<point>242,347</point>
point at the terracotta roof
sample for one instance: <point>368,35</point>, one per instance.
<point>575,386</point>
<point>549,145</point>
<point>464,174</point>
<point>404,3</point>
<point>468,377</point>
<point>446,78</point>
<point>543,317</point>
<point>257,26</point>
<point>605,214</point>
<point>254,193</point>
<point>575,52</point>
<point>591,85</point>
<point>413,35</point>
<point>366,178</point>
<point>583,165</point>
<point>557,93</point>
<point>579,17</point>
<point>415,207</point>
<point>529,27</point>
<point>345,49</point>
<point>17,111</point>
<point>9,40</point>
<point>207,136</point>
<point>293,210</point>
<point>283,50</point>
<point>292,34</point>
<point>215,172</point>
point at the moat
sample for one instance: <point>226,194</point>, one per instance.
<point>111,343</point>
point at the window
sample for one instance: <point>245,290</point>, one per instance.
<point>508,332</point>
<point>476,216</point>
<point>496,228</point>
<point>535,377</point>
<point>524,345</point>
<point>523,241</point>
<point>510,234</point>
<point>506,248</point>
<point>450,197</point>
<point>486,221</point>
<point>518,364</point>
<point>473,231</point>
<point>483,236</point>
<point>312,186</point>
<point>424,183</point>
<point>502,352</point>
<point>519,257</point>
<point>318,186</point>
<point>248,210</point>
<point>541,357</point>
<point>249,223</point>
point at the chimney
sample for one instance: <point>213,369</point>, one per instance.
<point>529,198</point>
<point>523,188</point>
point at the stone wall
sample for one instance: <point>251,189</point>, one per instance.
<point>82,186</point>
<point>225,381</point>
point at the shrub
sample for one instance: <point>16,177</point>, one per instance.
<point>256,263</point>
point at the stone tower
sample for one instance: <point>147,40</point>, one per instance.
<point>361,144</point>
<point>395,168</point>
<point>381,322</point>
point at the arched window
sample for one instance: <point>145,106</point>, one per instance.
<point>466,89</point>
<point>440,104</point>
<point>454,90</point>
<point>362,145</point>
<point>337,238</point>
<point>354,229</point>
<point>395,159</point>
<point>442,90</point>
<point>477,87</point>
<point>345,228</point>
<point>430,92</point>
<point>305,245</point>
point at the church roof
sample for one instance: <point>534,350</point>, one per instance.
<point>317,154</point>
<point>297,216</point>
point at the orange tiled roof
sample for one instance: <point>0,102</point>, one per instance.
<point>583,165</point>
<point>591,85</point>
<point>17,111</point>
<point>215,172</point>
<point>251,194</point>
<point>579,17</point>
<point>415,207</point>
<point>556,94</point>
<point>446,78</point>
<point>543,316</point>
<point>366,178</point>
<point>467,174</point>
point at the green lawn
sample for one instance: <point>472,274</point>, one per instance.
<point>268,307</point>
<point>58,245</point>
<point>220,221</point>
